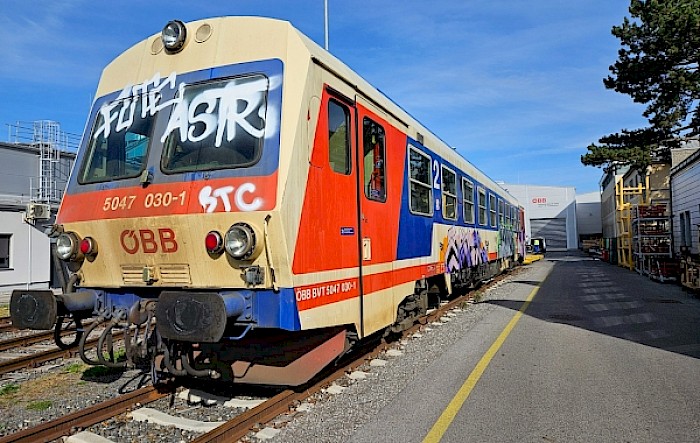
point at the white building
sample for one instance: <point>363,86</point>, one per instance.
<point>33,175</point>
<point>685,186</point>
<point>550,213</point>
<point>588,216</point>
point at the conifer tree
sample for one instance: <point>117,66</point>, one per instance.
<point>658,67</point>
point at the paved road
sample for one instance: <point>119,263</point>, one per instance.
<point>601,354</point>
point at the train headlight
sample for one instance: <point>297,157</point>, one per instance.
<point>67,246</point>
<point>239,241</point>
<point>173,36</point>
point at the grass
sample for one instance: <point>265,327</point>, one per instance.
<point>75,368</point>
<point>40,405</point>
<point>8,389</point>
<point>4,310</point>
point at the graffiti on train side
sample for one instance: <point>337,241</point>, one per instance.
<point>464,248</point>
<point>506,242</point>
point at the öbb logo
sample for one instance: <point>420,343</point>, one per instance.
<point>147,241</point>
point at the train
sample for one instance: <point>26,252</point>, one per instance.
<point>245,207</point>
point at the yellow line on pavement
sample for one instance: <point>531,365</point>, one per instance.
<point>442,423</point>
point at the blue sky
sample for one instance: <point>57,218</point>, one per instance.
<point>515,86</point>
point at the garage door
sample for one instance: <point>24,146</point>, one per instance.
<point>552,229</point>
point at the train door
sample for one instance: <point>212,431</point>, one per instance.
<point>326,255</point>
<point>378,214</point>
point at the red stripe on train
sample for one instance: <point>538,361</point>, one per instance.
<point>325,293</point>
<point>240,194</point>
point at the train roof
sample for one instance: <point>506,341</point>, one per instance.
<point>281,40</point>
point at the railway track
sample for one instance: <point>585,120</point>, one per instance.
<point>84,418</point>
<point>28,340</point>
<point>37,358</point>
<point>238,427</point>
<point>6,325</point>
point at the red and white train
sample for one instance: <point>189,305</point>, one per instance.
<point>245,206</point>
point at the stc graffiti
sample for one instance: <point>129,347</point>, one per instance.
<point>209,198</point>
<point>464,248</point>
<point>198,111</point>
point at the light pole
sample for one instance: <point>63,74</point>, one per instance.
<point>325,19</point>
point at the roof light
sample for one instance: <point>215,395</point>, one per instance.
<point>173,36</point>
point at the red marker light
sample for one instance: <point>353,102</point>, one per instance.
<point>214,242</point>
<point>88,246</point>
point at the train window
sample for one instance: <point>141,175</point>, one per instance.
<point>339,137</point>
<point>449,194</point>
<point>501,212</point>
<point>217,125</point>
<point>482,207</point>
<point>492,210</point>
<point>118,147</point>
<point>5,251</point>
<point>420,182</point>
<point>468,200</point>
<point>374,160</point>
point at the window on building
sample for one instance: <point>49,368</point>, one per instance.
<point>339,137</point>
<point>5,251</point>
<point>686,231</point>
<point>374,143</point>
<point>482,207</point>
<point>492,210</point>
<point>449,194</point>
<point>468,200</point>
<point>420,177</point>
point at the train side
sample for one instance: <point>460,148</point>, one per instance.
<point>263,206</point>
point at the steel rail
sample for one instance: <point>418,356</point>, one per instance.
<point>27,340</point>
<point>35,359</point>
<point>84,418</point>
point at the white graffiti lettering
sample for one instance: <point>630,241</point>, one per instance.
<point>219,111</point>
<point>209,198</point>
<point>123,108</point>
<point>198,111</point>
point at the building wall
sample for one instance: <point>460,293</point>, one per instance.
<point>548,202</point>
<point>29,254</point>
<point>588,214</point>
<point>685,189</point>
<point>15,180</point>
<point>30,249</point>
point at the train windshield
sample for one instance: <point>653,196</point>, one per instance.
<point>118,148</point>
<point>217,125</point>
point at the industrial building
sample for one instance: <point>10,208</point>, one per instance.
<point>685,182</point>
<point>34,169</point>
<point>550,213</point>
<point>588,220</point>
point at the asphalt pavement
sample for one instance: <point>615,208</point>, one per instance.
<point>600,354</point>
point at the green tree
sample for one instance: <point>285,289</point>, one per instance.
<point>657,66</point>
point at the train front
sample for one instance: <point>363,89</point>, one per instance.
<point>170,223</point>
